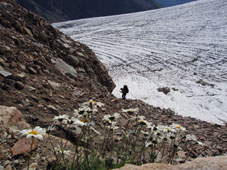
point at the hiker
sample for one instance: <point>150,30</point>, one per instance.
<point>124,91</point>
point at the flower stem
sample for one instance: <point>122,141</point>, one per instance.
<point>30,154</point>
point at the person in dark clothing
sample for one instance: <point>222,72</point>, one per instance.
<point>124,91</point>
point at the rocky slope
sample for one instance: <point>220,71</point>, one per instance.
<point>46,69</point>
<point>44,73</point>
<point>58,11</point>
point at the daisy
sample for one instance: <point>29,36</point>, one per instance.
<point>178,127</point>
<point>130,111</point>
<point>60,118</point>
<point>109,118</point>
<point>62,151</point>
<point>191,137</point>
<point>38,132</point>
<point>51,128</point>
<point>137,118</point>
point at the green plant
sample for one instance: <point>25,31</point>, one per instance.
<point>137,141</point>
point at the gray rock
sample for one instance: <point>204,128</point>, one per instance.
<point>54,85</point>
<point>21,75</point>
<point>34,98</point>
<point>16,161</point>
<point>32,70</point>
<point>64,67</point>
<point>27,31</point>
<point>80,54</point>
<point>53,110</point>
<point>64,39</point>
<point>78,93</point>
<point>165,90</point>
<point>5,5</point>
<point>5,73</point>
<point>7,162</point>
<point>30,88</point>
<point>19,85</point>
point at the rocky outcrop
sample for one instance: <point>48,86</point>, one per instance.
<point>210,163</point>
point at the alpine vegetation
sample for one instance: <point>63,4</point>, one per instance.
<point>136,141</point>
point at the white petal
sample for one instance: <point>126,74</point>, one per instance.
<point>25,132</point>
<point>29,136</point>
<point>40,137</point>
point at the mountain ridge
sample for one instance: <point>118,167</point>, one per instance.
<point>57,11</point>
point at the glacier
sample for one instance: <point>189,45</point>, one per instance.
<point>171,47</point>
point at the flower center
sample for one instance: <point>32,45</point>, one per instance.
<point>84,120</point>
<point>178,127</point>
<point>33,132</point>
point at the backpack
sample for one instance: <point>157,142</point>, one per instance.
<point>126,89</point>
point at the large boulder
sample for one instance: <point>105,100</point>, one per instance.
<point>12,117</point>
<point>209,163</point>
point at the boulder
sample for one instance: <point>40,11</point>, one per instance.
<point>64,67</point>
<point>165,90</point>
<point>24,146</point>
<point>209,163</point>
<point>12,117</point>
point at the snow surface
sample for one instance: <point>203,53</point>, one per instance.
<point>171,47</point>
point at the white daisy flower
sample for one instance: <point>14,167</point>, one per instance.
<point>162,128</point>
<point>137,118</point>
<point>113,128</point>
<point>38,132</point>
<point>131,110</point>
<point>66,153</point>
<point>178,127</point>
<point>191,137</point>
<point>110,118</point>
<point>60,118</point>
<point>78,122</point>
<point>51,128</point>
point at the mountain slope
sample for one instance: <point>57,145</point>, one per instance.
<point>168,3</point>
<point>56,11</point>
<point>43,72</point>
<point>178,47</point>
